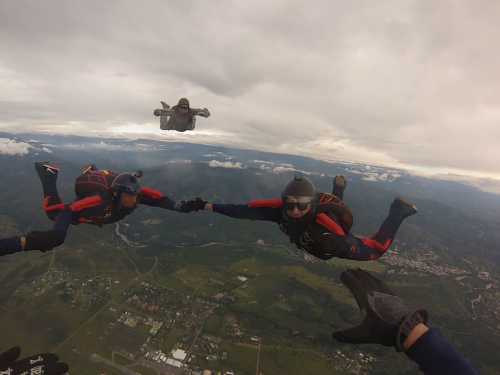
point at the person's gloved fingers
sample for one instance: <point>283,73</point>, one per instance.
<point>368,281</point>
<point>354,335</point>
<point>201,203</point>
<point>356,287</point>
<point>58,368</point>
<point>371,283</point>
<point>10,356</point>
<point>35,360</point>
<point>55,368</point>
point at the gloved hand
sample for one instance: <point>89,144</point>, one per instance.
<point>205,113</point>
<point>45,363</point>
<point>44,241</point>
<point>387,319</point>
<point>194,204</point>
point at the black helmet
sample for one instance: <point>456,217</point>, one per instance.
<point>301,190</point>
<point>126,182</point>
<point>183,101</point>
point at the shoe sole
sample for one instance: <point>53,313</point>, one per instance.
<point>340,183</point>
<point>47,167</point>
<point>408,203</point>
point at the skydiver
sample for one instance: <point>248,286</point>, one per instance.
<point>182,116</point>
<point>389,322</point>
<point>320,223</point>
<point>103,198</point>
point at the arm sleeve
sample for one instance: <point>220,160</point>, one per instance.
<point>242,211</point>
<point>200,112</point>
<point>162,112</point>
<point>10,245</point>
<point>163,202</point>
<point>435,356</point>
<point>80,208</point>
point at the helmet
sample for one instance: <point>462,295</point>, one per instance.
<point>126,182</point>
<point>301,190</point>
<point>183,101</point>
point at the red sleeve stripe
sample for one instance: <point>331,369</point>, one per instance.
<point>273,203</point>
<point>46,206</point>
<point>86,203</point>
<point>377,245</point>
<point>330,224</point>
<point>150,192</point>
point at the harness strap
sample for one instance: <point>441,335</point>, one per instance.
<point>53,207</point>
<point>325,221</point>
<point>86,203</point>
<point>331,203</point>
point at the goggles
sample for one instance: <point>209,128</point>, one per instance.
<point>302,203</point>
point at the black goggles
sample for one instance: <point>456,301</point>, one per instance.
<point>301,206</point>
<point>184,108</point>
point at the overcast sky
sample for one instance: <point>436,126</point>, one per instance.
<point>411,84</point>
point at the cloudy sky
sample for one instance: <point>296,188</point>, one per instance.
<point>402,83</point>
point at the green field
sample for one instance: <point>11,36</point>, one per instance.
<point>294,362</point>
<point>337,291</point>
<point>174,336</point>
<point>241,358</point>
<point>122,361</point>
<point>168,281</point>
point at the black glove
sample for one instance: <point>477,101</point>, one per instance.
<point>44,241</point>
<point>45,363</point>
<point>387,319</point>
<point>194,204</point>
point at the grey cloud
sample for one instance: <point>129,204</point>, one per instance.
<point>411,83</point>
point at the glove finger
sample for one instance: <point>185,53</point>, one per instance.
<point>58,368</point>
<point>10,356</point>
<point>372,283</point>
<point>35,360</point>
<point>355,286</point>
<point>354,335</point>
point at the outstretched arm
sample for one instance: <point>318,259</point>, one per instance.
<point>433,354</point>
<point>162,112</point>
<point>200,112</point>
<point>389,322</point>
<point>12,245</point>
<point>251,211</point>
<point>155,198</point>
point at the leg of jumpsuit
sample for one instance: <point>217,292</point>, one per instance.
<point>339,185</point>
<point>375,247</point>
<point>49,180</point>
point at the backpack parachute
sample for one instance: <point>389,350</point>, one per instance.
<point>93,181</point>
<point>329,202</point>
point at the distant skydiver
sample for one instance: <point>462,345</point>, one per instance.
<point>102,198</point>
<point>320,223</point>
<point>180,117</point>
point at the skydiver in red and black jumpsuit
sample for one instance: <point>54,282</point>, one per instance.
<point>98,207</point>
<point>320,223</point>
